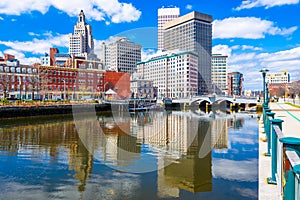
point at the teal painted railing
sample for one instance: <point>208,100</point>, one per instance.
<point>285,157</point>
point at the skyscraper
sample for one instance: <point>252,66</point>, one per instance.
<point>235,83</point>
<point>219,67</point>
<point>81,43</point>
<point>165,15</point>
<point>121,55</point>
<point>193,32</point>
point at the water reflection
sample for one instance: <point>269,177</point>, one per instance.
<point>168,144</point>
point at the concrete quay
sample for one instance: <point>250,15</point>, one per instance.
<point>290,128</point>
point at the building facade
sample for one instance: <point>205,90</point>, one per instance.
<point>81,83</point>
<point>121,55</point>
<point>193,32</point>
<point>219,67</point>
<point>16,80</point>
<point>235,83</point>
<point>141,88</point>
<point>283,77</point>
<point>174,74</point>
<point>165,15</point>
<point>81,43</point>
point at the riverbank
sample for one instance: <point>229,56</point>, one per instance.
<point>52,109</point>
<point>290,114</point>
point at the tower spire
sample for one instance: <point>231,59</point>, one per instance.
<point>81,17</point>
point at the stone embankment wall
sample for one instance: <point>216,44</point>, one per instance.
<point>23,111</point>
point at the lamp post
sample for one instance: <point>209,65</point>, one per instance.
<point>64,89</point>
<point>264,72</point>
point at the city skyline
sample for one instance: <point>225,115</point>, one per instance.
<point>271,41</point>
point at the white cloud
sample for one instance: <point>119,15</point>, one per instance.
<point>147,54</point>
<point>245,47</point>
<point>251,61</point>
<point>247,4</point>
<point>242,170</point>
<point>37,46</point>
<point>238,27</point>
<point>108,10</point>
<point>247,192</point>
<point>189,7</point>
<point>222,49</point>
<point>33,34</point>
<point>21,57</point>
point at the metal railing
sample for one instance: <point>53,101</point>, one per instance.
<point>285,160</point>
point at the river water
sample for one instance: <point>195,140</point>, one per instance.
<point>152,155</point>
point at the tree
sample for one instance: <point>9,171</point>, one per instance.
<point>294,89</point>
<point>280,92</point>
<point>4,83</point>
<point>44,81</point>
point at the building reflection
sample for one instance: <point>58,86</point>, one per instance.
<point>178,137</point>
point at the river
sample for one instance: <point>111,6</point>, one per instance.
<point>151,155</point>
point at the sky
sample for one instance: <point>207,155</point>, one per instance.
<point>255,34</point>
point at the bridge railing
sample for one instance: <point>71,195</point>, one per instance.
<point>285,159</point>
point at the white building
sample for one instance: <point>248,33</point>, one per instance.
<point>283,77</point>
<point>45,60</point>
<point>121,55</point>
<point>81,43</point>
<point>175,74</point>
<point>219,68</point>
<point>165,15</point>
<point>141,88</point>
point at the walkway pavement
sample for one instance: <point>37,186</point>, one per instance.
<point>290,127</point>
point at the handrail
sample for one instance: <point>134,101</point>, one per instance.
<point>285,157</point>
<point>278,132</point>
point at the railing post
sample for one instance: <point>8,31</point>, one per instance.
<point>265,118</point>
<point>274,122</point>
<point>290,144</point>
<point>268,130</point>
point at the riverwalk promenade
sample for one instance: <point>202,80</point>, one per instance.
<point>290,128</point>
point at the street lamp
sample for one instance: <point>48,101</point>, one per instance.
<point>264,72</point>
<point>64,89</point>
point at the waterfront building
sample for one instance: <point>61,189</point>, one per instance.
<point>175,74</point>
<point>17,80</point>
<point>193,32</point>
<point>283,77</point>
<point>74,77</point>
<point>235,83</point>
<point>81,83</point>
<point>81,43</point>
<point>121,55</point>
<point>219,68</point>
<point>165,15</point>
<point>141,88</point>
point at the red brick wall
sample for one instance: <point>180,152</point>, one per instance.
<point>119,82</point>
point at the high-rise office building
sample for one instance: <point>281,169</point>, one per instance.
<point>121,55</point>
<point>175,74</point>
<point>219,67</point>
<point>165,15</point>
<point>193,32</point>
<point>235,83</point>
<point>81,43</point>
<point>283,77</point>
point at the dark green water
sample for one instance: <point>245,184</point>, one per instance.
<point>155,155</point>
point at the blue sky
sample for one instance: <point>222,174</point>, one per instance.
<point>253,33</point>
